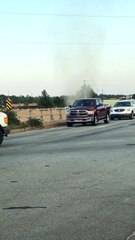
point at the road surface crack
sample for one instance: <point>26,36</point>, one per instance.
<point>24,208</point>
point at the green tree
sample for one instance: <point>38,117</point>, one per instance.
<point>45,100</point>
<point>58,101</point>
<point>133,96</point>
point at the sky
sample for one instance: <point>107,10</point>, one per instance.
<point>56,44</point>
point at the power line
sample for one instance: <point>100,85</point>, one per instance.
<point>65,15</point>
<point>67,43</point>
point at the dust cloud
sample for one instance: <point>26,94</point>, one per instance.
<point>73,65</point>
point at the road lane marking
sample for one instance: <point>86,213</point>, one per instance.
<point>132,235</point>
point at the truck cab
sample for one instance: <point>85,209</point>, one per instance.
<point>4,129</point>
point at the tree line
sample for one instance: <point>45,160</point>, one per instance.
<point>46,101</point>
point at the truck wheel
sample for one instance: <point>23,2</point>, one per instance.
<point>95,121</point>
<point>131,115</point>
<point>1,137</point>
<point>69,124</point>
<point>107,119</point>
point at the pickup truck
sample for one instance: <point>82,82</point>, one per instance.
<point>87,110</point>
<point>4,129</point>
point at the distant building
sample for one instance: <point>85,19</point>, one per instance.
<point>25,106</point>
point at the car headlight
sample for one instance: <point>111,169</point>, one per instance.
<point>6,120</point>
<point>90,112</point>
<point>68,113</point>
<point>129,110</point>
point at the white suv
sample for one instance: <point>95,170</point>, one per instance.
<point>123,108</point>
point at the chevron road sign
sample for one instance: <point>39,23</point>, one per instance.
<point>8,103</point>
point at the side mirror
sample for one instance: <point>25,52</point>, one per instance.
<point>99,105</point>
<point>70,106</point>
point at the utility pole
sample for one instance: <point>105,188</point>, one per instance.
<point>84,86</point>
<point>102,95</point>
<point>102,91</point>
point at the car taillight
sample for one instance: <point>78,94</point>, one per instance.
<point>6,120</point>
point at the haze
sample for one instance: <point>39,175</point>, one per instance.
<point>55,45</point>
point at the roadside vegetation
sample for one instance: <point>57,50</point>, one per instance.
<point>15,123</point>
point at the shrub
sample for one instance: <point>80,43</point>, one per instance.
<point>12,118</point>
<point>35,122</point>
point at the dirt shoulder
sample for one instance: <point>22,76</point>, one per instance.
<point>52,124</point>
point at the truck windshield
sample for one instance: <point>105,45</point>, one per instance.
<point>84,103</point>
<point>123,104</point>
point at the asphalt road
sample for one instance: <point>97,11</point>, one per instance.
<point>69,183</point>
